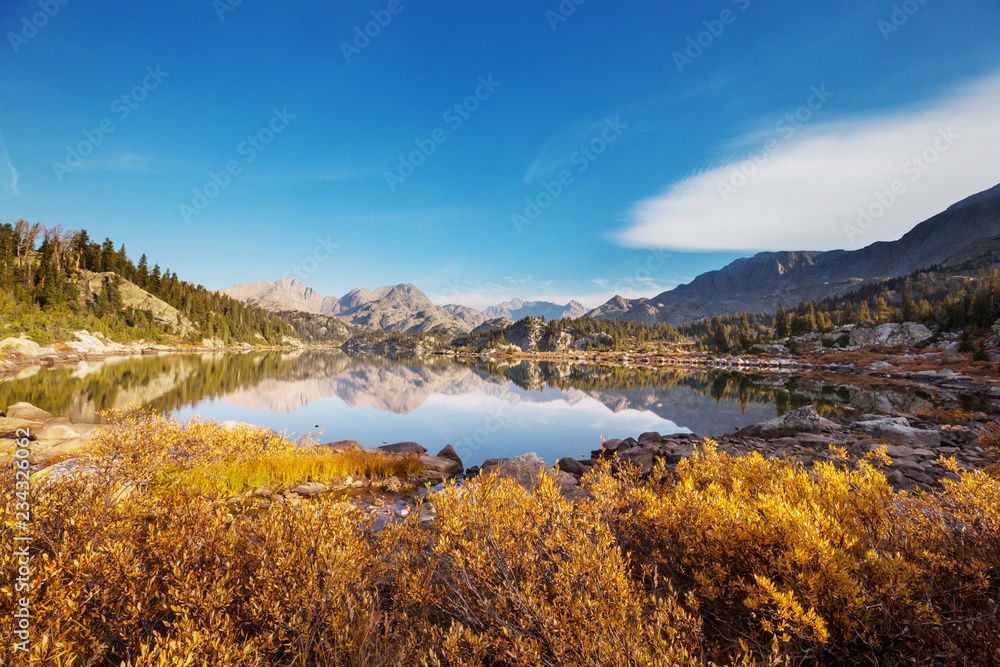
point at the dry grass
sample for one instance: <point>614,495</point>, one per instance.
<point>946,415</point>
<point>288,469</point>
<point>208,457</point>
<point>736,561</point>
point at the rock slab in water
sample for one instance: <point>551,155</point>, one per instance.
<point>341,446</point>
<point>403,448</point>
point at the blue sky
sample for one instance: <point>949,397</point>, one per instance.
<point>625,136</point>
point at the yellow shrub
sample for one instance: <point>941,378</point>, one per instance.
<point>831,564</point>
<point>734,560</point>
<point>512,577</point>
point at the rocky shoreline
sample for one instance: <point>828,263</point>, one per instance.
<point>914,443</point>
<point>20,354</point>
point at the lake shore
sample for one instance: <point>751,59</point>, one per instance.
<point>19,354</point>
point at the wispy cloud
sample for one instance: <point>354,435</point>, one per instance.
<point>5,157</point>
<point>830,185</point>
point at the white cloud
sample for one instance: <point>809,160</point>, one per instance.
<point>807,191</point>
<point>5,156</point>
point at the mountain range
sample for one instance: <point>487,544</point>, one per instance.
<point>398,308</point>
<point>963,239</point>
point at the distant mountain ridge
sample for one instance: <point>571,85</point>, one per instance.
<point>398,308</point>
<point>965,237</point>
<point>516,309</point>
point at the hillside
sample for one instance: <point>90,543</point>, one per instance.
<point>963,238</point>
<point>69,282</point>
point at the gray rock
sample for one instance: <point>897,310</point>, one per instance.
<point>802,420</point>
<point>440,464</point>
<point>906,334</point>
<point>310,489</point>
<point>403,448</point>
<point>341,447</point>
<point>643,458</point>
<point>523,469</point>
<point>898,431</point>
<point>611,445</point>
<point>572,466</point>
<point>650,437</point>
<point>449,453</point>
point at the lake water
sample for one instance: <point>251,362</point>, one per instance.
<point>485,410</point>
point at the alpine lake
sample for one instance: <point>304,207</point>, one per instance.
<point>485,409</point>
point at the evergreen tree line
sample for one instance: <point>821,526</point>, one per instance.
<point>930,297</point>
<point>40,284</point>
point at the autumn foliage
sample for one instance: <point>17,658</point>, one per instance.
<point>733,561</point>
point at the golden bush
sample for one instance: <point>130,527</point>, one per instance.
<point>733,561</point>
<point>829,566</point>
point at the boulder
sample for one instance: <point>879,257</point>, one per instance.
<point>402,448</point>
<point>449,453</point>
<point>608,447</point>
<point>310,489</point>
<point>566,482</point>
<point>9,426</point>
<point>649,437</point>
<point>523,469</point>
<point>340,447</point>
<point>643,458</point>
<point>572,466</point>
<point>65,469</point>
<point>20,346</point>
<point>29,412</point>
<point>898,431</point>
<point>906,334</point>
<point>802,420</point>
<point>42,456</point>
<point>992,341</point>
<point>61,432</point>
<point>440,464</point>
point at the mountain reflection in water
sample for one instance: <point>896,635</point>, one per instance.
<point>484,409</point>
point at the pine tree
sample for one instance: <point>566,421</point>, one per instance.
<point>781,323</point>
<point>720,336</point>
